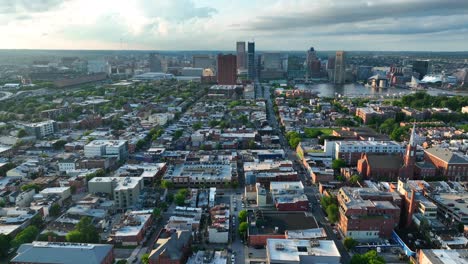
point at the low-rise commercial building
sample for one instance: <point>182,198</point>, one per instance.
<point>445,256</point>
<point>289,196</point>
<point>107,148</point>
<point>125,191</point>
<point>63,252</point>
<point>367,213</point>
<point>174,248</point>
<point>218,232</point>
<point>350,151</point>
<point>448,164</point>
<point>302,251</point>
<point>132,229</point>
<point>41,129</point>
<point>201,173</point>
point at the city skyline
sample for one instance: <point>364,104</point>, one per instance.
<point>397,25</point>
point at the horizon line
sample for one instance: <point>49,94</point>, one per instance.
<point>221,50</point>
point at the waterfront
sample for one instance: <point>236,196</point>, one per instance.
<point>358,90</point>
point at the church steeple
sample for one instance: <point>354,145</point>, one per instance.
<point>410,155</point>
<point>411,141</point>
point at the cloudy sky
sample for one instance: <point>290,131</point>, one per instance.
<point>438,25</point>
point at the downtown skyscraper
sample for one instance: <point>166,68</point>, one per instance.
<point>227,69</point>
<point>251,74</point>
<point>241,56</point>
<point>340,68</point>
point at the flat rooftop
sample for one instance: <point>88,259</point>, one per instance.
<point>200,171</point>
<point>306,233</point>
<point>224,87</point>
<point>458,202</point>
<point>269,221</point>
<point>368,143</point>
<point>109,143</point>
<point>290,250</point>
<point>445,256</point>
<point>132,225</point>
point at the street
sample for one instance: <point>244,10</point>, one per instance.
<point>311,192</point>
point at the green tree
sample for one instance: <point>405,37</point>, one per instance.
<point>325,201</point>
<point>213,123</point>
<point>251,144</point>
<point>140,144</point>
<point>37,221</point>
<point>157,213</point>
<point>167,184</point>
<point>26,236</point>
<point>243,228</point>
<point>5,241</point>
<point>349,243</point>
<point>30,186</point>
<point>54,210</point>
<point>332,213</point>
<point>312,132</point>
<point>59,144</point>
<point>338,164</point>
<point>355,179</point>
<point>178,134</point>
<point>370,257</point>
<point>242,216</point>
<point>197,125</point>
<point>74,236</point>
<point>179,199</point>
<point>21,133</point>
<point>145,258</point>
<point>84,232</point>
<point>163,206</point>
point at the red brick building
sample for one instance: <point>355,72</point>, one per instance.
<point>448,164</point>
<point>133,228</point>
<point>174,249</point>
<point>367,214</point>
<point>379,166</point>
<point>273,224</point>
<point>227,69</point>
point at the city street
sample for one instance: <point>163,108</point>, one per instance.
<point>311,192</point>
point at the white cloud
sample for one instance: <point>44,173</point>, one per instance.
<point>207,24</point>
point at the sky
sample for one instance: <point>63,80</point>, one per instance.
<point>408,25</point>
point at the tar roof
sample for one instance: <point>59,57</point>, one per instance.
<point>64,253</point>
<point>385,161</point>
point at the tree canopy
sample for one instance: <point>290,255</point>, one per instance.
<point>26,236</point>
<point>84,232</point>
<point>242,216</point>
<point>370,257</point>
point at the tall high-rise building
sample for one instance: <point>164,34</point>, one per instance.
<point>272,61</point>
<point>340,67</point>
<point>251,74</point>
<point>154,62</point>
<point>311,55</point>
<point>423,67</point>
<point>295,67</point>
<point>203,61</point>
<point>240,48</point>
<point>227,69</point>
<point>313,64</point>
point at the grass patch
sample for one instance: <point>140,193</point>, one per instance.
<point>316,132</point>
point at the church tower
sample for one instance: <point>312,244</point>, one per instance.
<point>410,155</point>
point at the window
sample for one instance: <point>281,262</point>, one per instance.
<point>302,249</point>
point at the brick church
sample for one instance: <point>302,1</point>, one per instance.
<point>390,167</point>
